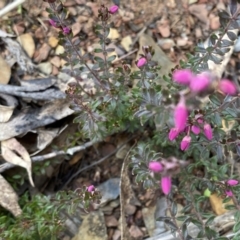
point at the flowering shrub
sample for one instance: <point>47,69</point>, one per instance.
<point>182,136</point>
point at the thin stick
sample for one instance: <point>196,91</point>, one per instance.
<point>95,163</point>
<point>10,7</point>
<point>124,56</point>
<point>70,151</point>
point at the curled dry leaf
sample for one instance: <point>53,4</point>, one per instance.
<point>10,148</point>
<point>8,198</point>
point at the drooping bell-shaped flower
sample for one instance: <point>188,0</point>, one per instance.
<point>166,184</point>
<point>196,129</point>
<point>66,30</point>
<point>185,143</point>
<point>155,166</point>
<point>229,193</point>
<point>232,182</point>
<point>173,134</point>
<point>183,76</point>
<point>141,62</point>
<point>180,115</point>
<point>113,9</point>
<point>227,87</point>
<point>53,23</point>
<point>90,188</point>
<point>208,131</point>
<point>200,82</point>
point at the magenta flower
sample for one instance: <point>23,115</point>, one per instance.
<point>141,62</point>
<point>53,23</point>
<point>66,30</point>
<point>185,143</point>
<point>208,131</point>
<point>113,9</point>
<point>173,134</point>
<point>196,129</point>
<point>166,184</point>
<point>155,166</point>
<point>229,193</point>
<point>232,182</point>
<point>183,76</point>
<point>180,115</point>
<point>227,87</point>
<point>90,188</point>
<point>200,82</point>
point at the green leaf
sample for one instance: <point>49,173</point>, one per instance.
<point>236,227</point>
<point>98,50</point>
<point>110,59</point>
<point>232,36</point>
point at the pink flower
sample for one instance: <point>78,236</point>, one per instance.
<point>90,188</point>
<point>208,131</point>
<point>173,134</point>
<point>180,115</point>
<point>53,23</point>
<point>155,166</point>
<point>196,129</point>
<point>113,9</point>
<point>229,193</point>
<point>185,143</point>
<point>66,30</point>
<point>183,76</point>
<point>166,184</point>
<point>141,62</point>
<point>227,87</point>
<point>232,182</point>
<point>200,82</point>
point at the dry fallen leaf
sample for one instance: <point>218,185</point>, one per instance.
<point>5,70</point>
<point>8,198</point>
<point>9,149</point>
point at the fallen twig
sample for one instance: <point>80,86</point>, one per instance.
<point>10,7</point>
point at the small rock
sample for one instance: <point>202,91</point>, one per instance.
<point>76,28</point>
<point>163,27</point>
<point>109,190</point>
<point>42,53</point>
<point>135,232</point>
<point>181,42</point>
<point>53,42</point>
<point>59,50</point>
<point>56,61</point>
<point>214,23</point>
<point>27,42</point>
<point>111,221</point>
<point>82,19</point>
<point>130,209</point>
<point>166,43</point>
<point>198,32</point>
<point>55,70</point>
<point>92,228</point>
<point>39,33</point>
<point>5,71</point>
<point>45,67</point>
<point>72,11</point>
<point>116,235</point>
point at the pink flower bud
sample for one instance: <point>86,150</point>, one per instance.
<point>113,9</point>
<point>166,184</point>
<point>200,82</point>
<point>180,115</point>
<point>90,188</point>
<point>208,131</point>
<point>66,30</point>
<point>53,23</point>
<point>155,166</point>
<point>173,134</point>
<point>196,129</point>
<point>185,143</point>
<point>227,87</point>
<point>232,182</point>
<point>141,62</point>
<point>183,76</point>
<point>229,193</point>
